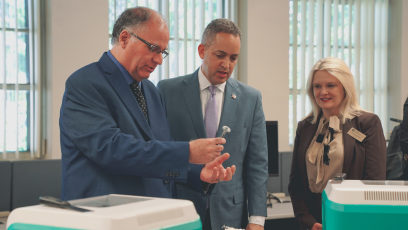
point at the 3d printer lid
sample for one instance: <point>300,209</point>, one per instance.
<point>368,192</point>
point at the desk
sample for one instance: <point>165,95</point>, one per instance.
<point>4,221</point>
<point>280,211</point>
<point>281,217</point>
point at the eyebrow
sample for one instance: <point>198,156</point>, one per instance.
<point>155,44</point>
<point>167,48</point>
<point>326,83</point>
<point>225,52</point>
<point>220,51</point>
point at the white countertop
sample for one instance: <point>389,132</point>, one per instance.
<point>280,211</point>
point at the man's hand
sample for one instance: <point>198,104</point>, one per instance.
<point>254,227</point>
<point>203,151</point>
<point>317,226</point>
<point>214,172</point>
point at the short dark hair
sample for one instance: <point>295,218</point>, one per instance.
<point>220,25</point>
<point>132,18</point>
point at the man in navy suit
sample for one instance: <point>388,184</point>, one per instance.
<point>114,134</point>
<point>189,99</point>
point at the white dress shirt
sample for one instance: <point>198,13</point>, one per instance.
<point>205,95</point>
<point>219,97</point>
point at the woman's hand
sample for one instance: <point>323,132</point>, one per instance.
<point>317,226</point>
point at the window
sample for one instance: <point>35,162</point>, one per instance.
<point>17,100</point>
<point>353,30</point>
<point>189,18</point>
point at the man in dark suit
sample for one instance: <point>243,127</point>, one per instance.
<point>199,105</point>
<point>114,133</point>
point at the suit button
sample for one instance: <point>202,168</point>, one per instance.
<point>167,173</point>
<point>177,174</point>
<point>165,181</point>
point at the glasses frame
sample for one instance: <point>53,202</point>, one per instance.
<point>152,47</point>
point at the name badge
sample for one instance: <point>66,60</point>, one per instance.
<point>356,134</point>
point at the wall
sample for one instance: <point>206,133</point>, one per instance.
<point>76,35</point>
<point>397,58</point>
<point>264,58</point>
<point>404,54</point>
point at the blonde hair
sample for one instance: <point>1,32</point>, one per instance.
<point>336,67</point>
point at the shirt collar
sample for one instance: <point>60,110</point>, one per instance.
<point>122,69</point>
<point>204,83</point>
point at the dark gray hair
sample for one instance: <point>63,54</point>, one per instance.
<point>220,25</point>
<point>133,19</point>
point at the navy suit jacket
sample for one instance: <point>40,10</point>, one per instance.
<point>246,144</point>
<point>108,146</point>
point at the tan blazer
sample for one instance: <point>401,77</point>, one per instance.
<point>362,161</point>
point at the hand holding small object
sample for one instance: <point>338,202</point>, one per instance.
<point>203,151</point>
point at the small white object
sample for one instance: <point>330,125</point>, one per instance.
<point>225,129</point>
<point>233,96</point>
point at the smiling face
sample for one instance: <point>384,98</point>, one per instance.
<point>328,93</point>
<point>135,55</point>
<point>219,58</point>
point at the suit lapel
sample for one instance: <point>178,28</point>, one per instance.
<point>192,97</point>
<point>118,83</point>
<point>348,143</point>
<point>230,104</point>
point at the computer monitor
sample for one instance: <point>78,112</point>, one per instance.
<point>273,154</point>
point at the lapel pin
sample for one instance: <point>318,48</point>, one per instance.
<point>233,96</point>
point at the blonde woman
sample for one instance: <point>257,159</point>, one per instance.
<point>323,146</point>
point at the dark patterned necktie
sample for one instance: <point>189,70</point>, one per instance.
<point>134,86</point>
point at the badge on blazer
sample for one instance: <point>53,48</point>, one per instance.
<point>356,134</point>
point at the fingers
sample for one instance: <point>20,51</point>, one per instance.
<point>222,158</point>
<point>226,174</point>
<point>219,160</point>
<point>215,152</point>
<point>218,148</point>
<point>217,174</point>
<point>214,176</point>
<point>222,172</point>
<point>233,169</point>
<point>217,144</point>
<point>203,151</point>
<point>229,173</point>
<point>214,172</point>
<point>219,140</point>
<point>317,226</point>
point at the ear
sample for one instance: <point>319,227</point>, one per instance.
<point>201,51</point>
<point>124,39</point>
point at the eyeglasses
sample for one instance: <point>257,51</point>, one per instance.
<point>153,48</point>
